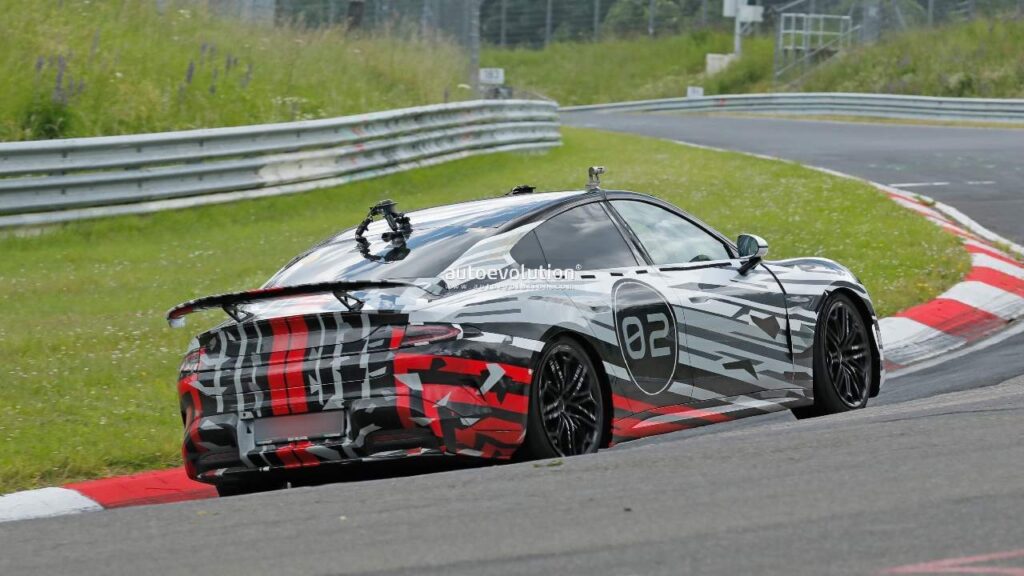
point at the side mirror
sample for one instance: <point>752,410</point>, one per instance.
<point>753,249</point>
<point>751,246</point>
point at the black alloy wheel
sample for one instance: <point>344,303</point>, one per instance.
<point>847,358</point>
<point>844,359</point>
<point>566,415</point>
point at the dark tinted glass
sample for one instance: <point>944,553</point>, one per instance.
<point>527,252</point>
<point>667,237</point>
<point>584,238</point>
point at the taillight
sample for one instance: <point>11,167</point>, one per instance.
<point>417,335</point>
<point>192,361</point>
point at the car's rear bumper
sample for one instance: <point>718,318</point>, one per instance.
<point>425,404</point>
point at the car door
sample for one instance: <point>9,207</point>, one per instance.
<point>736,329</point>
<point>626,302</point>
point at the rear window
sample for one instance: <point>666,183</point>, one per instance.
<point>440,235</point>
<point>426,254</point>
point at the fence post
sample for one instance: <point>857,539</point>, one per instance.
<point>597,20</point>
<point>547,24</point>
<point>504,15</point>
<point>473,41</point>
<point>650,17</point>
<point>354,14</point>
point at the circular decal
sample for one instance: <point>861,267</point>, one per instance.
<point>645,326</point>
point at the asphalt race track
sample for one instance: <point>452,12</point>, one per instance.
<point>932,473</point>
<point>978,170</point>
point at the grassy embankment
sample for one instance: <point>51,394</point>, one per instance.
<point>974,59</point>
<point>79,68</point>
<point>981,59</point>
<point>89,365</point>
<point>632,69</point>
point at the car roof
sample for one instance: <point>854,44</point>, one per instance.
<point>489,212</point>
<point>504,212</point>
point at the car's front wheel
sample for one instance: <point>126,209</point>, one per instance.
<point>843,359</point>
<point>566,415</point>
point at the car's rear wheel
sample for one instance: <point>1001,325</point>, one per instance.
<point>566,414</point>
<point>250,485</point>
<point>843,359</point>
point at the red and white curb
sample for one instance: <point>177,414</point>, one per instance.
<point>986,301</point>
<point>989,298</point>
<point>159,487</point>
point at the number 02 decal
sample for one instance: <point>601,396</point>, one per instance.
<point>645,325</point>
<point>633,329</point>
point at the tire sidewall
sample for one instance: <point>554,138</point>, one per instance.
<point>536,444</point>
<point>826,398</point>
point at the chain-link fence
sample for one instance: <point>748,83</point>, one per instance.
<point>535,23</point>
<point>805,31</point>
<point>454,19</point>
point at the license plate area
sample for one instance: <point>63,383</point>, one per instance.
<point>312,426</point>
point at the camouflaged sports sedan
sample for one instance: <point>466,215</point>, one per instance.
<point>531,324</point>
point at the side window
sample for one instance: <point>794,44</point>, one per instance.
<point>667,237</point>
<point>527,252</point>
<point>584,238</point>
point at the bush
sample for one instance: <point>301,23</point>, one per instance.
<point>976,59</point>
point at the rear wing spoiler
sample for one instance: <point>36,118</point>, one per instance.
<point>228,302</point>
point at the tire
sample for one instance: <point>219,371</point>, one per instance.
<point>844,359</point>
<point>575,421</point>
<point>248,486</point>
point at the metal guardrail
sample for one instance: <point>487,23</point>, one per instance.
<point>838,104</point>
<point>59,180</point>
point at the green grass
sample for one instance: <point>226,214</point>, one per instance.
<point>89,365</point>
<point>86,68</point>
<point>975,59</point>
<point>630,69</point>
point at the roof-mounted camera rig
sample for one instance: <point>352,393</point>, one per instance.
<point>594,178</point>
<point>401,229</point>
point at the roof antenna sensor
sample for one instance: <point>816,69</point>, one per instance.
<point>594,178</point>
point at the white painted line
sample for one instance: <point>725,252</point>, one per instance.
<point>981,182</point>
<point>44,503</point>
<point>918,184</point>
<point>1001,303</point>
<point>978,229</point>
<point>915,206</point>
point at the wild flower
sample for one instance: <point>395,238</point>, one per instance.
<point>190,72</point>
<point>40,62</point>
